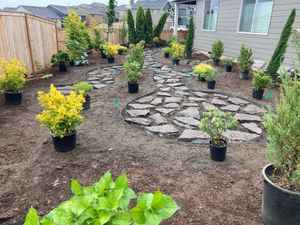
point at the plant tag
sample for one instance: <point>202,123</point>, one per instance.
<point>117,102</point>
<point>114,72</point>
<point>268,96</point>
<point>187,72</point>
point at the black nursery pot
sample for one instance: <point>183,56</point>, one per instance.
<point>175,61</point>
<point>202,79</point>
<point>120,52</point>
<point>65,143</point>
<point>244,75</point>
<point>62,68</point>
<point>103,56</point>
<point>167,55</point>
<point>111,60</point>
<point>216,62</point>
<point>218,153</point>
<point>133,88</point>
<point>279,206</point>
<point>258,94</point>
<point>125,45</point>
<point>211,84</point>
<point>13,98</point>
<point>228,69</point>
<point>87,103</point>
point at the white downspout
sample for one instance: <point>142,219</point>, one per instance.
<point>176,16</point>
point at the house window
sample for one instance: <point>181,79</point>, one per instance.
<point>255,16</point>
<point>211,9</point>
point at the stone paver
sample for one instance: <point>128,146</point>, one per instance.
<point>253,109</point>
<point>158,119</point>
<point>147,99</point>
<point>136,112</point>
<point>237,101</point>
<point>231,108</point>
<point>166,129</point>
<point>247,117</point>
<point>252,127</point>
<point>217,101</point>
<point>188,121</point>
<point>139,121</point>
<point>141,106</point>
<point>236,135</point>
<point>157,101</point>
<point>190,112</point>
<point>189,135</point>
<point>208,106</point>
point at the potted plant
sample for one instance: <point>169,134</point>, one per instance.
<point>121,49</point>
<point>133,74</point>
<point>156,41</point>
<point>217,52</point>
<point>260,81</point>
<point>177,51</point>
<point>214,123</point>
<point>61,59</point>
<point>61,116</point>
<point>84,88</point>
<point>228,62</point>
<point>201,70</point>
<point>12,80</point>
<point>102,53</point>
<point>110,51</point>
<point>281,191</point>
<point>210,77</point>
<point>245,61</point>
<point>167,52</point>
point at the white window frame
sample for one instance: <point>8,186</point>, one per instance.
<point>240,16</point>
<point>203,15</point>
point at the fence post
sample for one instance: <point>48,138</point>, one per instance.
<point>56,35</point>
<point>29,43</point>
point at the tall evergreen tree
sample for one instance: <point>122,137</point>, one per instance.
<point>282,45</point>
<point>131,28</point>
<point>140,25</point>
<point>110,15</point>
<point>148,27</point>
<point>160,26</point>
<point>190,39</point>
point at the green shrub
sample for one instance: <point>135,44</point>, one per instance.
<point>140,25</point>
<point>123,32</point>
<point>156,40</point>
<point>83,86</point>
<point>148,27</point>
<point>137,54</point>
<point>131,28</point>
<point>283,146</point>
<point>245,59</point>
<point>190,39</point>
<point>261,80</point>
<point>108,202</point>
<point>227,61</point>
<point>282,45</point>
<point>160,26</point>
<point>211,74</point>
<point>215,122</point>
<point>133,72</point>
<point>60,58</point>
<point>217,50</point>
<point>167,50</point>
<point>177,50</point>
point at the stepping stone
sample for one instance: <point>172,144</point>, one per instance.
<point>237,101</point>
<point>93,79</point>
<point>158,119</point>
<point>175,84</point>
<point>94,82</point>
<point>190,112</point>
<point>252,127</point>
<point>160,85</point>
<point>141,106</point>
<point>160,81</point>
<point>180,93</point>
<point>220,96</point>
<point>182,88</point>
<point>109,82</point>
<point>247,117</point>
<point>208,106</point>
<point>164,111</point>
<point>165,77</point>
<point>166,129</point>
<point>172,80</point>
<point>139,121</point>
<point>188,120</point>
<point>172,105</point>
<point>98,86</point>
<point>165,89</point>
<point>136,112</point>
<point>164,94</point>
<point>239,135</point>
<point>156,101</point>
<point>217,101</point>
<point>190,104</point>
<point>146,99</point>
<point>189,135</point>
<point>108,79</point>
<point>253,109</point>
<point>231,108</point>
<point>173,100</point>
<point>196,99</point>
<point>157,78</point>
<point>201,94</point>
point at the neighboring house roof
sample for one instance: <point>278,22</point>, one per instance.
<point>92,9</point>
<point>40,11</point>
<point>11,9</point>
<point>149,4</point>
<point>99,4</point>
<point>63,10</point>
<point>122,7</point>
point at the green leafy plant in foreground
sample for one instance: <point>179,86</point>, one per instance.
<point>107,203</point>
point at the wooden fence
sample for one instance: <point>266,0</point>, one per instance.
<point>28,38</point>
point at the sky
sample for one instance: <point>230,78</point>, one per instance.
<point>14,3</point>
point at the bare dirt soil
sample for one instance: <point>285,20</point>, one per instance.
<point>32,173</point>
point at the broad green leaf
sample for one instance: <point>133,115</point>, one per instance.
<point>105,182</point>
<point>126,198</point>
<point>147,198</point>
<point>121,218</point>
<point>170,207</point>
<point>104,216</point>
<point>76,188</point>
<point>137,213</point>
<point>152,218</point>
<point>103,203</point>
<point>32,217</point>
<point>61,217</point>
<point>121,182</point>
<point>157,202</point>
<point>88,216</point>
<point>47,222</point>
<point>79,205</point>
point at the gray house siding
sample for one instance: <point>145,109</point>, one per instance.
<point>227,26</point>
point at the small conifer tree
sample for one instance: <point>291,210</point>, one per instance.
<point>160,26</point>
<point>190,39</point>
<point>140,25</point>
<point>148,27</point>
<point>131,28</point>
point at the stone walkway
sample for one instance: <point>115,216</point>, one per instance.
<point>175,111</point>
